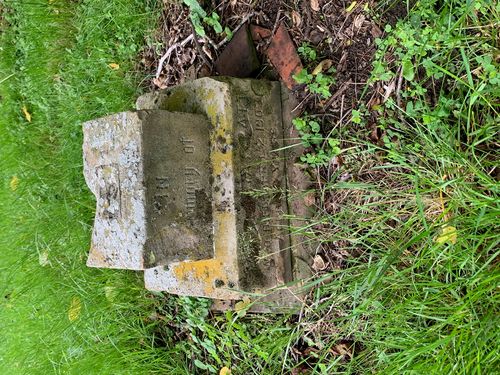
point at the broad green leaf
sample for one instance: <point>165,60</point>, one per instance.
<point>408,71</point>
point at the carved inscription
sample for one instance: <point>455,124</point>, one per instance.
<point>192,184</point>
<point>161,193</point>
<point>189,147</point>
<point>257,171</point>
<point>177,177</point>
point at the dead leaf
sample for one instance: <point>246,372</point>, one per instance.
<point>225,371</point>
<point>297,20</point>
<point>160,83</point>
<point>448,234</point>
<point>110,293</point>
<point>75,309</point>
<point>389,89</point>
<point>309,199</point>
<point>114,66</point>
<point>318,263</point>
<point>322,66</point>
<point>14,183</point>
<point>342,349</point>
<point>315,5</point>
<point>27,115</point>
<point>207,52</point>
<point>376,32</point>
<point>359,20</point>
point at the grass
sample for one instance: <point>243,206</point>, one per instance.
<point>54,63</point>
<point>413,234</point>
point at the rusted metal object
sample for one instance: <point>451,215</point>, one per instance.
<point>239,58</point>
<point>211,192</point>
<point>284,57</point>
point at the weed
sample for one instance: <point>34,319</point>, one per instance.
<point>307,52</point>
<point>198,14</point>
<point>316,83</point>
<point>322,150</point>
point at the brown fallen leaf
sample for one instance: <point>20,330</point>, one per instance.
<point>225,371</point>
<point>359,20</point>
<point>342,350</point>
<point>322,66</point>
<point>297,20</point>
<point>315,5</point>
<point>114,66</point>
<point>310,199</point>
<point>318,263</point>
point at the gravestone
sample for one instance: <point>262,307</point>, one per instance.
<point>195,188</point>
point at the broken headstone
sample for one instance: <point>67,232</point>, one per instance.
<point>193,188</point>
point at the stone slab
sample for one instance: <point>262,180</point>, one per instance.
<point>250,230</point>
<point>149,219</point>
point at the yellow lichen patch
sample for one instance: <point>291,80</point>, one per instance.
<point>204,272</point>
<point>96,258</point>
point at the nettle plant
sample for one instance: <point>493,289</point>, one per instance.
<point>199,16</point>
<point>322,149</point>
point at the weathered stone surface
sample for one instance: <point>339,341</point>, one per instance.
<point>302,247</point>
<point>199,188</point>
<point>250,235</point>
<point>148,219</point>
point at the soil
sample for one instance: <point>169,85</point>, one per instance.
<point>346,38</point>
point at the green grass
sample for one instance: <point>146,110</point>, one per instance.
<point>54,61</point>
<point>400,301</point>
